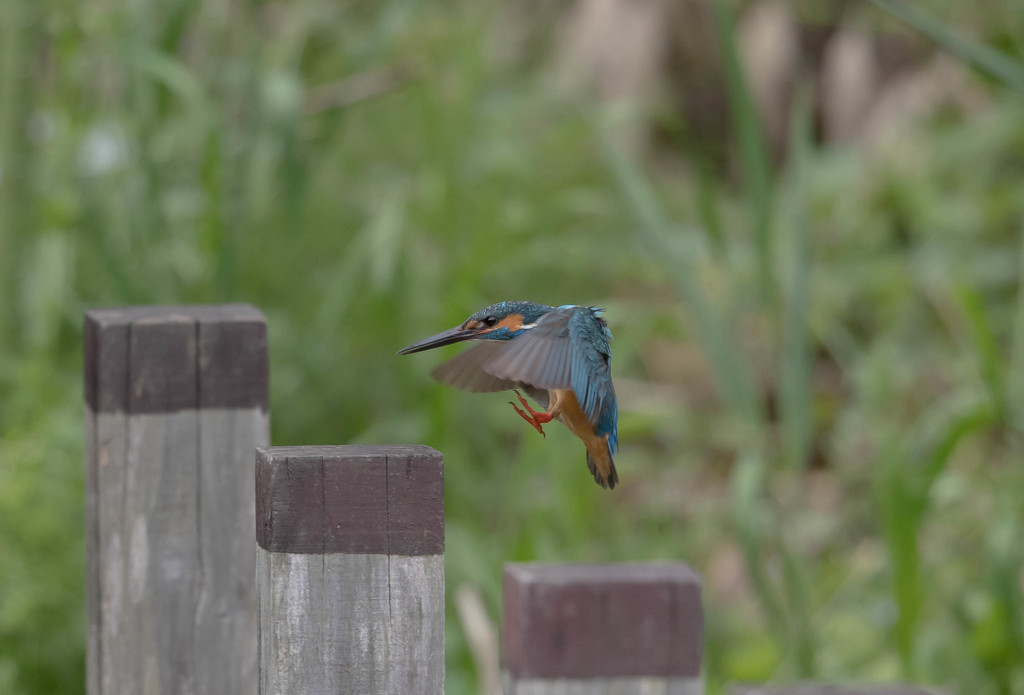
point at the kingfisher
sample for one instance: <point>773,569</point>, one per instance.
<point>560,356</point>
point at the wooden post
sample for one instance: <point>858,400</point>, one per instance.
<point>350,569</point>
<point>622,629</point>
<point>176,403</point>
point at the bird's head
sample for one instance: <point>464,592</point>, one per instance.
<point>501,321</point>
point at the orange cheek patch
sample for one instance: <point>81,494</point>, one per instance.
<point>513,322</point>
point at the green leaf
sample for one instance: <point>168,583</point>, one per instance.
<point>753,151</point>
<point>751,519</point>
<point>984,58</point>
<point>796,360</point>
<point>985,344</point>
<point>903,487</point>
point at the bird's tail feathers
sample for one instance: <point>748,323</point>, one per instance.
<point>601,464</point>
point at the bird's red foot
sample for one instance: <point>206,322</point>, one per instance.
<point>534,418</point>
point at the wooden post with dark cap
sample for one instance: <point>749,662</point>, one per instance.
<point>176,403</point>
<point>621,629</point>
<point>350,569</point>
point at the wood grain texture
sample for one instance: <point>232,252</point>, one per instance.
<point>347,603</point>
<point>226,613</point>
<point>610,622</point>
<point>350,499</point>
<point>107,652</point>
<point>169,503</point>
<point>163,366</point>
<point>92,557</point>
<point>162,565</point>
<point>233,365</point>
<point>230,342</point>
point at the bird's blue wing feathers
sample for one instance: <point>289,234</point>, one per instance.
<point>591,372</point>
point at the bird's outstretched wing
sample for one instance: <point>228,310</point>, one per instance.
<point>568,348</point>
<point>466,371</point>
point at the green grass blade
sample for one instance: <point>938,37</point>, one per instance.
<point>707,205</point>
<point>984,58</point>
<point>795,368</point>
<point>749,518</point>
<point>906,478</point>
<point>955,423</point>
<point>731,374</point>
<point>752,149</point>
<point>1005,542</point>
<point>900,518</point>
<point>985,345</point>
<point>1015,371</point>
<point>798,602</point>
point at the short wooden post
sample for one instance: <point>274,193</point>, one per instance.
<point>621,629</point>
<point>176,403</point>
<point>350,569</point>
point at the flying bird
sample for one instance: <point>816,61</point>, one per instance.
<point>560,356</point>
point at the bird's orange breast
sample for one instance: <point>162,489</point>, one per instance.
<point>564,406</point>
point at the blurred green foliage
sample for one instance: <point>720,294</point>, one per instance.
<point>850,488</point>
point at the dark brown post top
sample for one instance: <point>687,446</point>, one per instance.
<point>161,359</point>
<point>350,499</point>
<point>602,621</point>
<point>820,689</point>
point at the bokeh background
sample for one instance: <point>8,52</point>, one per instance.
<point>804,219</point>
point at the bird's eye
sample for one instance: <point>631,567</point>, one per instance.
<point>490,321</point>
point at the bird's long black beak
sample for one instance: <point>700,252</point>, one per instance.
<point>452,335</point>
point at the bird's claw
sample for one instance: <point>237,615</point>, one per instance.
<point>534,418</point>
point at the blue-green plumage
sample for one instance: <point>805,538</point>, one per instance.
<point>548,352</point>
<point>530,312</point>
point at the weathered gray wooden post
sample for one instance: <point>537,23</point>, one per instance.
<point>610,629</point>
<point>350,570</point>
<point>176,403</point>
